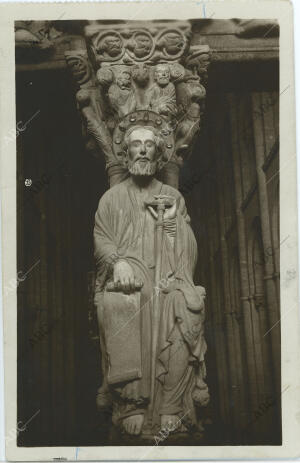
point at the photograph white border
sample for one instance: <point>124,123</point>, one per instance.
<point>281,10</point>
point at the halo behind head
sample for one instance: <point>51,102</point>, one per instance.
<point>145,119</point>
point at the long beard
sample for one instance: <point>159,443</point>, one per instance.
<point>142,169</point>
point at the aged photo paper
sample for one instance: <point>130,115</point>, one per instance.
<point>150,245</point>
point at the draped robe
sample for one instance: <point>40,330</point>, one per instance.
<point>125,227</point>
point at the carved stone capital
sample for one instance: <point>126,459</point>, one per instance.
<point>132,68</point>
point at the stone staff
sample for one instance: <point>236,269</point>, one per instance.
<point>160,204</point>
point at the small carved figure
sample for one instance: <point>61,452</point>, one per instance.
<point>91,104</point>
<point>140,45</point>
<point>93,122</point>
<point>79,66</point>
<point>110,45</point>
<point>177,72</point>
<point>140,75</point>
<point>190,97</point>
<point>162,95</point>
<point>197,62</point>
<point>172,43</point>
<point>124,80</point>
<point>121,94</point>
<point>105,77</point>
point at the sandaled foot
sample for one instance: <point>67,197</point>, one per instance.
<point>133,424</point>
<point>170,422</point>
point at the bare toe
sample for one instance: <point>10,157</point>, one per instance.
<point>133,424</point>
<point>169,423</point>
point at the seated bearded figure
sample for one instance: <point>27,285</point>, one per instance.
<point>121,94</point>
<point>162,94</point>
<point>153,368</point>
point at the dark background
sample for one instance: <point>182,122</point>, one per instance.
<point>58,359</point>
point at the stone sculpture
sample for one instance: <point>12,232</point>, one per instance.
<point>141,94</point>
<point>162,94</point>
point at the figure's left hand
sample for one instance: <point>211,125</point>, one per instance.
<point>170,212</point>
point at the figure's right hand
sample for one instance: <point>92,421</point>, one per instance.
<point>124,276</point>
